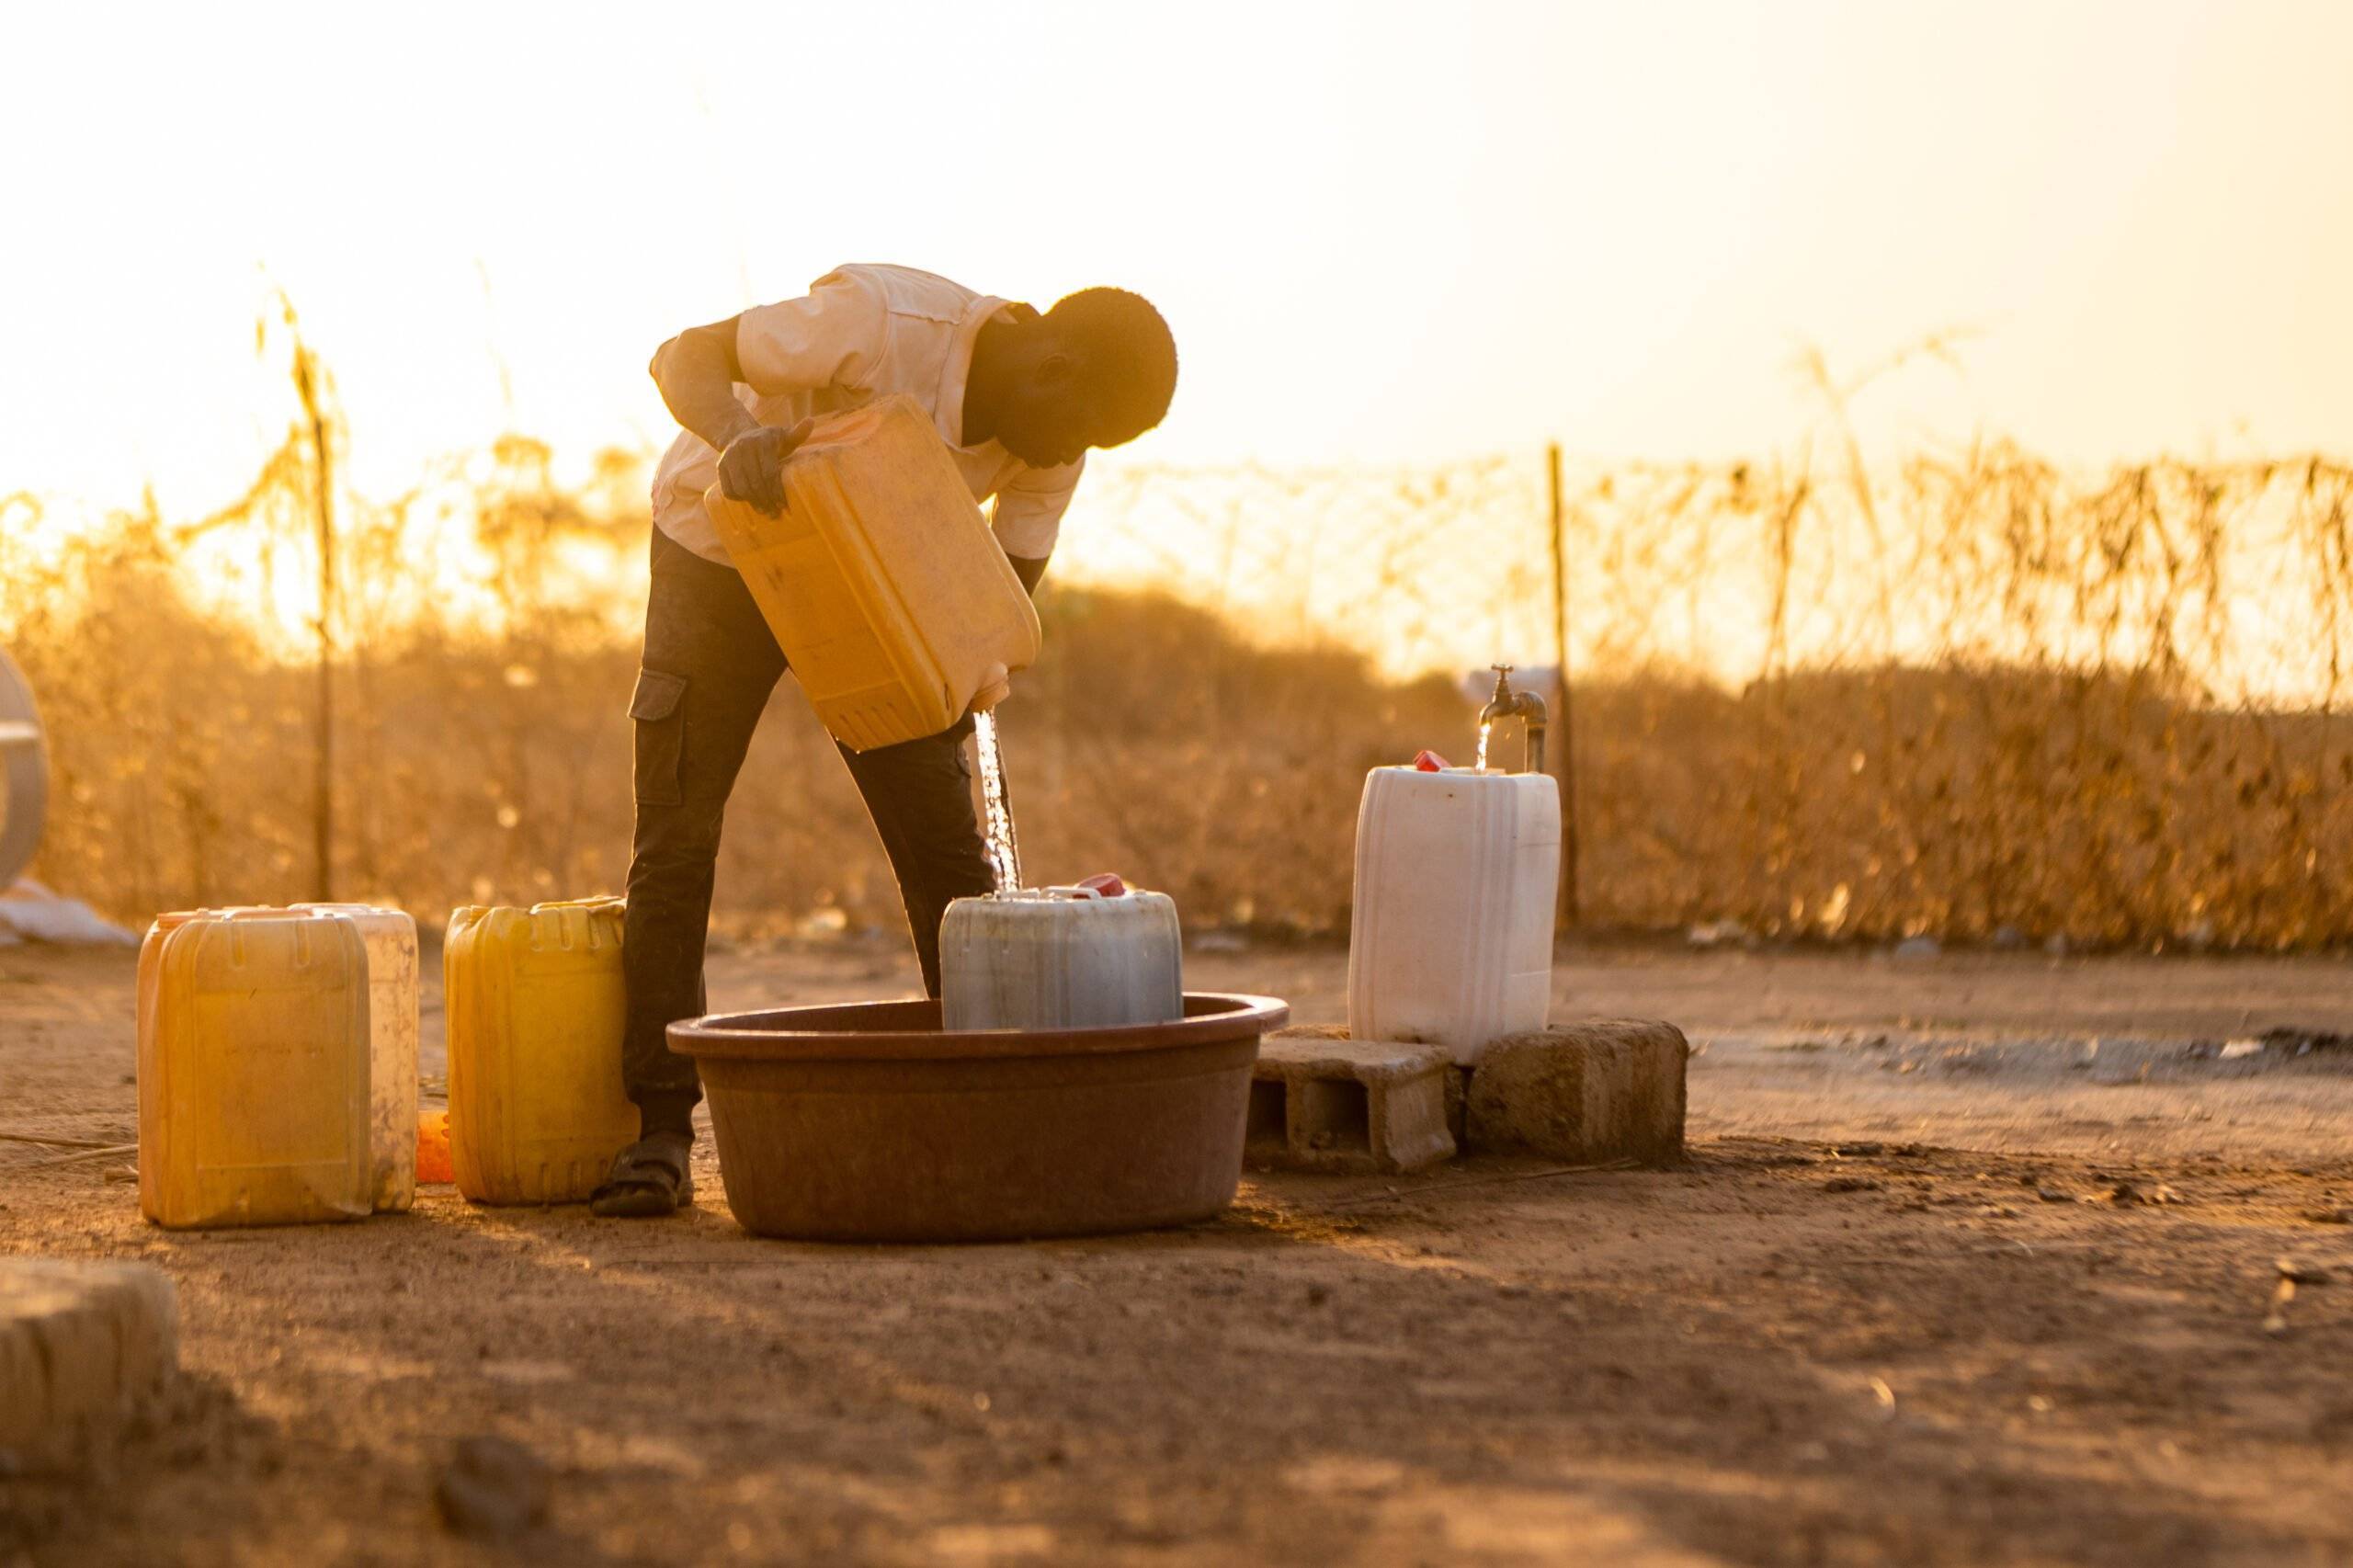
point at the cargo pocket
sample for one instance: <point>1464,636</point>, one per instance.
<point>661,730</point>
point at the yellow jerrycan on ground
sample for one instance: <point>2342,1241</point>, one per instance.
<point>391,938</point>
<point>253,1047</point>
<point>881,581</point>
<point>536,1004</point>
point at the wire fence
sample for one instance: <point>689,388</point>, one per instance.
<point>1967,694</point>
<point>1973,694</point>
<point>2228,580</point>
<point>1424,569</point>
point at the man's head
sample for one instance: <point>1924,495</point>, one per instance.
<point>1096,370</point>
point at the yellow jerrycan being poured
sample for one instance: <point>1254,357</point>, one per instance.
<point>254,1047</point>
<point>536,1004</point>
<point>882,583</point>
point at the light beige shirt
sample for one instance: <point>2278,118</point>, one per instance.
<point>861,333</point>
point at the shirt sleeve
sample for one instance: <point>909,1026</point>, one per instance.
<point>1029,514</point>
<point>834,336</point>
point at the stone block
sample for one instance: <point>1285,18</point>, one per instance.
<point>1320,1101</point>
<point>1458,1072</point>
<point>1600,1090</point>
<point>79,1340</point>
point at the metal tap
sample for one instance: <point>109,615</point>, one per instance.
<point>1523,705</point>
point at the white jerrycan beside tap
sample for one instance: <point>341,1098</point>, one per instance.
<point>1450,942</point>
<point>1099,955</point>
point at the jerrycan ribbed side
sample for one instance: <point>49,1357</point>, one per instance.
<point>149,1066</point>
<point>880,580</point>
<point>535,1002</point>
<point>254,1070</point>
<point>390,936</point>
<point>1450,935</point>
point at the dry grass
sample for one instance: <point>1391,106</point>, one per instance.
<point>1973,699</point>
<point>496,767</point>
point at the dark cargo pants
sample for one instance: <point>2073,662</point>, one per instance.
<point>711,663</point>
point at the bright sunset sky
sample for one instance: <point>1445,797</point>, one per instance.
<point>1380,231</point>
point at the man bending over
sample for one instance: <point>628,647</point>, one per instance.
<point>1019,397</point>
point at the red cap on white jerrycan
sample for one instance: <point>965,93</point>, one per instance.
<point>1103,884</point>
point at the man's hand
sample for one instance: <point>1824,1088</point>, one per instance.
<point>752,468</point>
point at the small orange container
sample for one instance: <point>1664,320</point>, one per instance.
<point>433,1147</point>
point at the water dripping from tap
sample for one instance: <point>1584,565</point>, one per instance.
<point>1525,706</point>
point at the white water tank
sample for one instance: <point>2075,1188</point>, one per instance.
<point>1450,942</point>
<point>1061,958</point>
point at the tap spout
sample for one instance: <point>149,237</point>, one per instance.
<point>1525,706</point>
<point>1499,706</point>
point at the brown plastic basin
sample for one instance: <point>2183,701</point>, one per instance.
<point>870,1122</point>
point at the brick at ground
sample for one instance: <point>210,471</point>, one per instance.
<point>1458,1073</point>
<point>1321,1103</point>
<point>1600,1090</point>
<point>79,1341</point>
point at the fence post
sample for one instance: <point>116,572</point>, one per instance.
<point>306,383</point>
<point>1564,719</point>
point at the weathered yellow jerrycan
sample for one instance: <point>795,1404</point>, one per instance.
<point>882,583</point>
<point>151,970</point>
<point>536,1006</point>
<point>390,936</point>
<point>254,1050</point>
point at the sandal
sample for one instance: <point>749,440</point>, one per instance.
<point>649,1179</point>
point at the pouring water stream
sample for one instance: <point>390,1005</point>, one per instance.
<point>1005,855</point>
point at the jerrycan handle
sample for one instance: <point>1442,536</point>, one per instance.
<point>715,498</point>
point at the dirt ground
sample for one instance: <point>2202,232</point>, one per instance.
<point>1891,1311</point>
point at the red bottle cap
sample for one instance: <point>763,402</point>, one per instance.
<point>1428,761</point>
<point>1108,883</point>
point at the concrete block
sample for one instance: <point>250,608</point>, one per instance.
<point>79,1340</point>
<point>1458,1072</point>
<point>1321,1102</point>
<point>1604,1090</point>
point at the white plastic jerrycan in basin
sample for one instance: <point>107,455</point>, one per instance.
<point>1096,955</point>
<point>1451,939</point>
